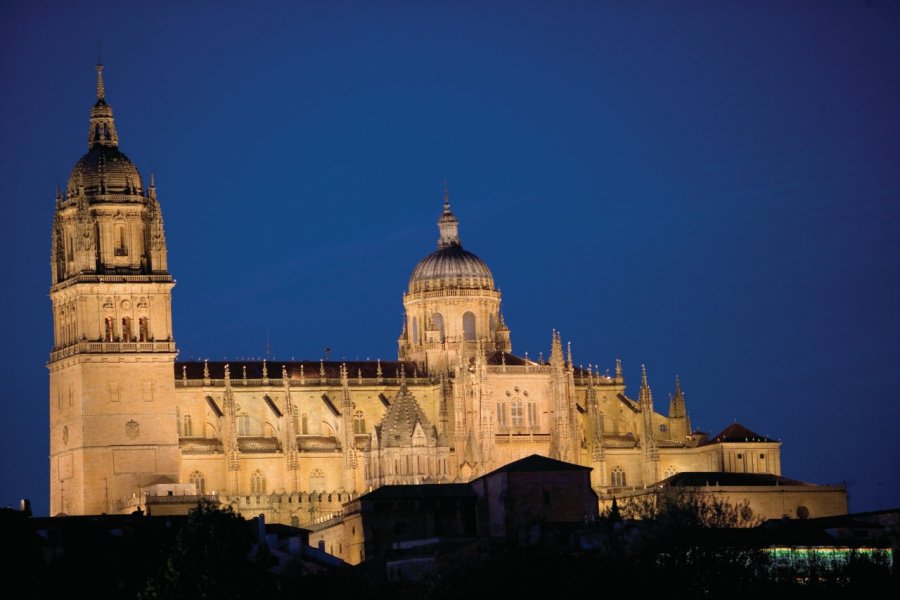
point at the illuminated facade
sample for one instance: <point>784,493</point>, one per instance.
<point>295,440</point>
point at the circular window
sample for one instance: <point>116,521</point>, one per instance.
<point>802,512</point>
<point>663,428</point>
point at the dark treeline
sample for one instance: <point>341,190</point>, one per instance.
<point>681,548</point>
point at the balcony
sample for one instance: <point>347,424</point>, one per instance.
<point>200,445</point>
<point>86,347</point>
<point>258,445</point>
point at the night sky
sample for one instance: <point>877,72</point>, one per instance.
<point>709,188</point>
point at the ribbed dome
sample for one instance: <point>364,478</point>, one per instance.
<point>450,267</point>
<point>105,170</point>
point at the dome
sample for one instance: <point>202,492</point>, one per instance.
<point>450,266</point>
<point>105,170</point>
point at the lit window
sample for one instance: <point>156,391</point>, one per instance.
<point>257,483</point>
<point>516,413</point>
<point>199,482</point>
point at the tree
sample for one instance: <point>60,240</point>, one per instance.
<point>209,559</point>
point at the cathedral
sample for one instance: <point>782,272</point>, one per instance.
<point>131,425</point>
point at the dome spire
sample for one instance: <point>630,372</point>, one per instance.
<point>100,91</point>
<point>447,224</point>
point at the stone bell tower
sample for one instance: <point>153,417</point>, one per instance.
<point>112,391</point>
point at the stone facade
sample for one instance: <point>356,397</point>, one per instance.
<point>297,440</point>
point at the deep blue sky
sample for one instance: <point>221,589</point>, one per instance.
<point>710,188</point>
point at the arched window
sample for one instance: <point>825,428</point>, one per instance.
<point>501,414</point>
<point>304,424</point>
<point>257,483</point>
<point>317,481</point>
<point>144,325</point>
<point>359,423</point>
<point>187,426</point>
<point>199,482</point>
<point>243,425</point>
<point>438,320</point>
<point>469,326</point>
<point>670,471</point>
<point>109,333</point>
<point>415,331</point>
<point>121,249</point>
<point>532,414</point>
<point>617,477</point>
<point>126,330</point>
<point>515,412</point>
<point>492,324</point>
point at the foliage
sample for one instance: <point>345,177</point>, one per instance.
<point>209,559</point>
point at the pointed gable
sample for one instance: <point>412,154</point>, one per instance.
<point>405,423</point>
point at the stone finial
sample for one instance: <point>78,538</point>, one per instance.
<point>284,374</point>
<point>618,368</point>
<point>265,372</point>
<point>206,368</point>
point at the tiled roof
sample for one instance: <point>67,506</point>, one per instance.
<point>738,433</point>
<point>537,463</point>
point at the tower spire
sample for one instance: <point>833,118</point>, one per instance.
<point>100,91</point>
<point>102,130</point>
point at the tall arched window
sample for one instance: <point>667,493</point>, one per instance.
<point>121,249</point>
<point>317,481</point>
<point>144,333</point>
<point>469,326</point>
<point>109,330</point>
<point>617,477</point>
<point>501,414</point>
<point>243,425</point>
<point>199,482</point>
<point>438,320</point>
<point>359,423</point>
<point>257,483</point>
<point>187,425</point>
<point>415,331</point>
<point>515,413</point>
<point>532,414</point>
<point>492,324</point>
<point>304,424</point>
<point>126,330</point>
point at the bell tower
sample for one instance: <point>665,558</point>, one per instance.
<point>112,391</point>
